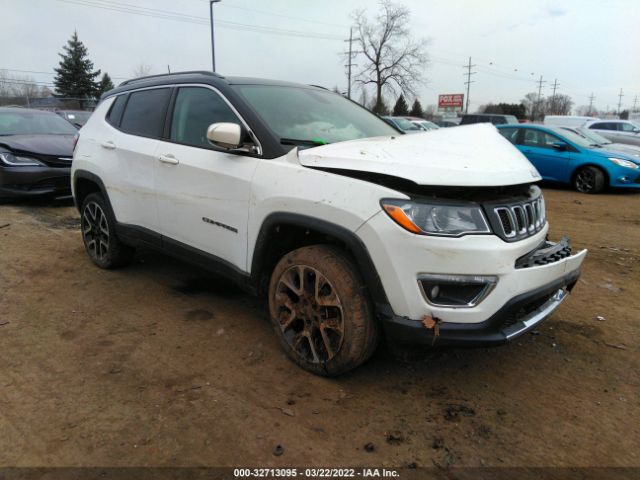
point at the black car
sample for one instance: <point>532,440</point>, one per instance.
<point>76,117</point>
<point>488,118</point>
<point>36,149</point>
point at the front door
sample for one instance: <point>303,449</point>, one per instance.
<point>203,194</point>
<point>548,153</point>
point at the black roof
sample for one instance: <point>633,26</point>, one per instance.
<point>197,76</point>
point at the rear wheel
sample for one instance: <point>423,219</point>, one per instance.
<point>99,234</point>
<point>320,312</point>
<point>589,180</point>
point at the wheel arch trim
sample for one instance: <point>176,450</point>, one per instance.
<point>350,239</point>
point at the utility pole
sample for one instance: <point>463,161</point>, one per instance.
<point>553,97</point>
<point>591,97</point>
<point>350,64</point>
<point>620,95</point>
<point>213,49</point>
<point>468,82</point>
<point>635,102</point>
<point>535,111</point>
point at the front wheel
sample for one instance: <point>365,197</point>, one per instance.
<point>589,180</point>
<point>320,311</point>
<point>99,234</point>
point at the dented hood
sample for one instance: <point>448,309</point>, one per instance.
<point>472,155</point>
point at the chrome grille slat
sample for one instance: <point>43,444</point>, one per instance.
<point>520,220</point>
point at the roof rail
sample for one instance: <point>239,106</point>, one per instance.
<point>191,72</point>
<point>318,86</point>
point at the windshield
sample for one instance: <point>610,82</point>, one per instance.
<point>572,137</point>
<point>593,136</point>
<point>307,117</point>
<point>78,117</point>
<point>404,124</point>
<point>33,122</point>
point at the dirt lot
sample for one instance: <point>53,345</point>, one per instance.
<point>162,364</point>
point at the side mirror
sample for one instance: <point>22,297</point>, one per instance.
<point>227,136</point>
<point>561,147</point>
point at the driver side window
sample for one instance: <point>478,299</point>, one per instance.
<point>195,109</point>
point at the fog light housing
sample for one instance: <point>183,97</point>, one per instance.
<point>456,291</point>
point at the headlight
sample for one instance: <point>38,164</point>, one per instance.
<point>623,163</point>
<point>436,219</point>
<point>18,161</point>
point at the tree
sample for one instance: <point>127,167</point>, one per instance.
<point>430,112</point>
<point>530,102</point>
<point>142,70</point>
<point>75,76</point>
<point>401,108</point>
<point>416,109</point>
<point>557,105</point>
<point>393,59</point>
<point>105,84</point>
<point>516,109</point>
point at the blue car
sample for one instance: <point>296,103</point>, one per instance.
<point>562,156</point>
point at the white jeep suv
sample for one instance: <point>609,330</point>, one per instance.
<point>352,230</point>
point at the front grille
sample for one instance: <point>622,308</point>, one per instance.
<point>518,220</point>
<point>55,160</point>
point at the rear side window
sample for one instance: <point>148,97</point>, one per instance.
<point>115,112</point>
<point>145,112</point>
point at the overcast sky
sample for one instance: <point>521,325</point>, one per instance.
<point>590,46</point>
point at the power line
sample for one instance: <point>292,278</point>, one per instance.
<point>553,96</point>
<point>350,64</point>
<point>535,111</point>
<point>178,17</point>
<point>468,82</point>
<point>620,95</point>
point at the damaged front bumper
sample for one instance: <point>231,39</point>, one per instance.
<point>517,316</point>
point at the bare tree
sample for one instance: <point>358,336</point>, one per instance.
<point>393,61</point>
<point>559,104</point>
<point>142,70</point>
<point>19,89</point>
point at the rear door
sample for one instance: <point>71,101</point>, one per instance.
<point>204,193</point>
<point>133,144</point>
<point>541,148</point>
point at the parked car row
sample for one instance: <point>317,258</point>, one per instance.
<point>574,158</point>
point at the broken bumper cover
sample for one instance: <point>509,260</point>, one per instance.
<point>518,316</point>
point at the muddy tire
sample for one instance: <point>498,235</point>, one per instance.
<point>98,228</point>
<point>320,311</point>
<point>589,180</point>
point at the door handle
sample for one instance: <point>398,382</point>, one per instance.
<point>526,150</point>
<point>109,145</point>
<point>168,158</point>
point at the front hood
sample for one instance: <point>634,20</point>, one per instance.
<point>54,145</point>
<point>627,152</point>
<point>473,155</point>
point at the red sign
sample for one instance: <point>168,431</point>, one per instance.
<point>451,100</point>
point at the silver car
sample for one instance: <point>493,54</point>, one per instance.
<point>618,131</point>
<point>599,141</point>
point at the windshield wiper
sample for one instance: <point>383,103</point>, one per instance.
<point>309,143</point>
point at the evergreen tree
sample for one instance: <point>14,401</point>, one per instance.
<point>401,108</point>
<point>75,76</point>
<point>105,85</point>
<point>416,109</point>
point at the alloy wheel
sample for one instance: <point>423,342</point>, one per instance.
<point>309,313</point>
<point>585,180</point>
<point>95,231</point>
